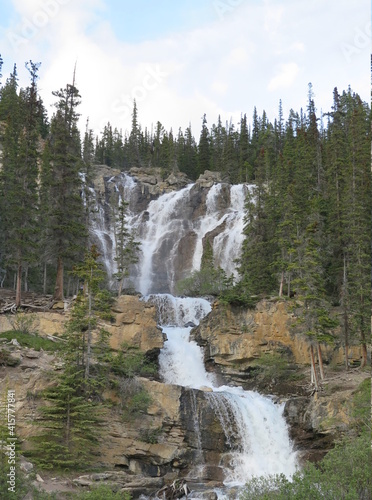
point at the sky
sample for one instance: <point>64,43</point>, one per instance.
<point>181,60</point>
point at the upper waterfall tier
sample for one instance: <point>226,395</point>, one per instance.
<point>173,228</point>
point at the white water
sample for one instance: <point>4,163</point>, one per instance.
<point>171,230</point>
<point>103,219</point>
<point>163,230</point>
<point>170,218</point>
<point>253,424</point>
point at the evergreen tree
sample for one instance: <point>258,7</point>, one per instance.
<point>204,153</point>
<point>187,154</point>
<point>18,178</point>
<point>218,140</point>
<point>244,174</point>
<point>126,247</point>
<point>66,231</point>
<point>134,139</point>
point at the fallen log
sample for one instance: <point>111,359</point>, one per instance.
<point>12,308</point>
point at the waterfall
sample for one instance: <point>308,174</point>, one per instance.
<point>160,235</point>
<point>117,188</point>
<point>171,229</point>
<point>254,425</point>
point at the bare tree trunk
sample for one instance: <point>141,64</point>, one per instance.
<point>25,287</point>
<point>345,302</point>
<point>18,299</point>
<point>364,345</point>
<point>281,285</point>
<point>45,279</point>
<point>120,286</point>
<point>89,340</point>
<point>58,290</point>
<point>320,359</point>
<point>346,330</point>
<point>68,286</point>
<point>315,380</point>
<point>363,363</point>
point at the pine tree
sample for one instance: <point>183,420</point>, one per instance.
<point>243,175</point>
<point>188,155</point>
<point>126,247</point>
<point>204,153</point>
<point>134,139</point>
<point>66,231</point>
<point>218,140</point>
<point>70,426</point>
<point>84,318</point>
<point>19,176</point>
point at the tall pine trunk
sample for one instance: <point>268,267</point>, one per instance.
<point>346,334</point>
<point>18,298</point>
<point>89,339</point>
<point>320,360</point>
<point>45,279</point>
<point>58,290</point>
<point>313,369</point>
<point>281,284</point>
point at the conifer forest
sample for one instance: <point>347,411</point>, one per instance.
<point>307,237</point>
<point>307,219</point>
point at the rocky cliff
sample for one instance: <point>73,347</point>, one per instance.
<point>262,349</point>
<point>254,348</point>
<point>172,218</point>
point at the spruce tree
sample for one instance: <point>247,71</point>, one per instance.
<point>71,420</point>
<point>204,153</point>
<point>126,247</point>
<point>19,175</point>
<point>66,231</point>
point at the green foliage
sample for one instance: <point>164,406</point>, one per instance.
<point>130,361</point>
<point>135,400</point>
<point>239,295</point>
<point>273,365</point>
<point>70,425</point>
<point>34,342</point>
<point>25,323</point>
<point>137,404</point>
<point>362,405</point>
<point>151,436</point>
<point>207,281</point>
<point>126,247</point>
<point>103,492</point>
<point>7,461</point>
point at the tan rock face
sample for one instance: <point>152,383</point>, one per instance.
<point>135,324</point>
<point>236,337</point>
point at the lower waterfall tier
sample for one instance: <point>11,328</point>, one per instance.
<point>256,437</point>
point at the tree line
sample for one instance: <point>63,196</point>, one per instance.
<point>308,219</point>
<point>308,216</point>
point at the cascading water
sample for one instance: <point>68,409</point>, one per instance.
<point>253,424</point>
<point>103,217</point>
<point>171,230</point>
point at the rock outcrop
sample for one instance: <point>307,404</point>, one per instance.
<point>135,324</point>
<point>236,340</point>
<point>262,349</point>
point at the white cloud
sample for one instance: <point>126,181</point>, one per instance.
<point>223,67</point>
<point>285,77</point>
<point>219,87</point>
<point>238,55</point>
